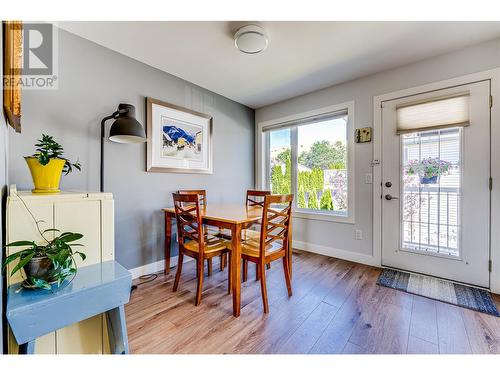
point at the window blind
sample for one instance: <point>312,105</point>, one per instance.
<point>435,114</point>
<point>306,120</point>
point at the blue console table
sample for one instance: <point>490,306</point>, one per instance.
<point>96,289</point>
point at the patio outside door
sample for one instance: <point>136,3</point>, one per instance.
<point>436,183</point>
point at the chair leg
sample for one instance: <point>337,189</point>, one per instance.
<point>263,287</point>
<point>288,280</point>
<point>229,274</point>
<point>209,266</point>
<point>200,282</point>
<point>257,272</point>
<point>180,259</point>
<point>222,261</point>
<point>245,270</point>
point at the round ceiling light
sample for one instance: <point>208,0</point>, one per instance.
<point>250,39</point>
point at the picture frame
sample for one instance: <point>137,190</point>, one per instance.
<point>12,60</point>
<point>179,140</point>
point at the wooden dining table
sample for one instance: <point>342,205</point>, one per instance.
<point>234,217</point>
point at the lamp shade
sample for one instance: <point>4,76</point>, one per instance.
<point>126,129</point>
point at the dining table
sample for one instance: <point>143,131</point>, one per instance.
<point>234,217</point>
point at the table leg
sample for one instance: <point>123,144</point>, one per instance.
<point>27,348</point>
<point>117,330</point>
<point>168,241</point>
<point>235,271</point>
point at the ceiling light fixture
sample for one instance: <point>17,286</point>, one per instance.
<point>250,39</point>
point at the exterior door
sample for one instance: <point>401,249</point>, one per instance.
<point>436,187</point>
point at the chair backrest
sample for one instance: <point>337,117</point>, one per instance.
<point>256,197</point>
<point>276,218</point>
<point>189,221</point>
<point>202,195</point>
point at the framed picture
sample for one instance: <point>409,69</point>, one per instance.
<point>12,59</point>
<point>179,139</point>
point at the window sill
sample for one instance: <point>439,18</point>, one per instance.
<point>322,216</point>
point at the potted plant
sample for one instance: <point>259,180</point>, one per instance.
<point>428,169</point>
<point>47,164</point>
<point>50,263</point>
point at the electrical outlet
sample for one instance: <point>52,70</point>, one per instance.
<point>368,178</point>
<point>358,234</point>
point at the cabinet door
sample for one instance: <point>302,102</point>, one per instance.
<point>82,216</point>
<point>21,226</point>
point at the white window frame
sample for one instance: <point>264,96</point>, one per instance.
<point>262,161</point>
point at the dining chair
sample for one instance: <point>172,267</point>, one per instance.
<point>255,198</point>
<point>194,241</point>
<point>202,197</point>
<point>273,241</point>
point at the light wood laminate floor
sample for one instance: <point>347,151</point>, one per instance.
<point>336,308</point>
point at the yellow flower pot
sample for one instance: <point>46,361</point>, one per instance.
<point>45,177</point>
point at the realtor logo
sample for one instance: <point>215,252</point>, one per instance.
<point>36,65</point>
<point>38,47</point>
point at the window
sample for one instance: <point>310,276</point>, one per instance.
<point>311,157</point>
<point>280,171</point>
<point>431,206</point>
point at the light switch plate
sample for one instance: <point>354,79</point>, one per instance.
<point>368,178</point>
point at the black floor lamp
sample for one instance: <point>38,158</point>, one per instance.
<point>125,129</point>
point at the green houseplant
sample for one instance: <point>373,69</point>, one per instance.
<point>47,165</point>
<point>45,264</point>
<point>49,263</point>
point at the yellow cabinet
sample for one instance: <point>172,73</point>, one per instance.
<point>91,214</point>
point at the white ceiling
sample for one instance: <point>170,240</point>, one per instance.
<point>301,57</point>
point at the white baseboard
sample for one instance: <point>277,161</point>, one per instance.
<point>337,253</point>
<point>154,267</point>
<point>305,246</point>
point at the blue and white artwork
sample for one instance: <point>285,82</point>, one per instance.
<point>181,140</point>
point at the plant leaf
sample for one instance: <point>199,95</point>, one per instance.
<point>22,263</point>
<point>21,243</point>
<point>13,257</point>
<point>39,283</point>
<point>51,230</point>
<point>70,237</point>
<point>43,159</point>
<point>82,255</point>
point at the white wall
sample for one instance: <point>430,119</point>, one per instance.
<point>337,239</point>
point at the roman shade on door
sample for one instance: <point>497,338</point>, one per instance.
<point>433,114</point>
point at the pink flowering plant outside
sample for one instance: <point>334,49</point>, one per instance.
<point>428,168</point>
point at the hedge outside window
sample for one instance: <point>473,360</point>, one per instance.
<point>309,159</point>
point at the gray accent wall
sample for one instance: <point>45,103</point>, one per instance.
<point>93,80</point>
<point>338,239</point>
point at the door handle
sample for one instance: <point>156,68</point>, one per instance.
<point>389,197</point>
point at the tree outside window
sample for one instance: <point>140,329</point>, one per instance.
<point>321,168</point>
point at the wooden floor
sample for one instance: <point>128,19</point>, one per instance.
<point>336,308</point>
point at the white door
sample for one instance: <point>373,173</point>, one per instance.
<point>437,225</point>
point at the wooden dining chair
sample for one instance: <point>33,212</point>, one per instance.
<point>273,241</point>
<point>202,198</point>
<point>255,198</point>
<point>194,241</point>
